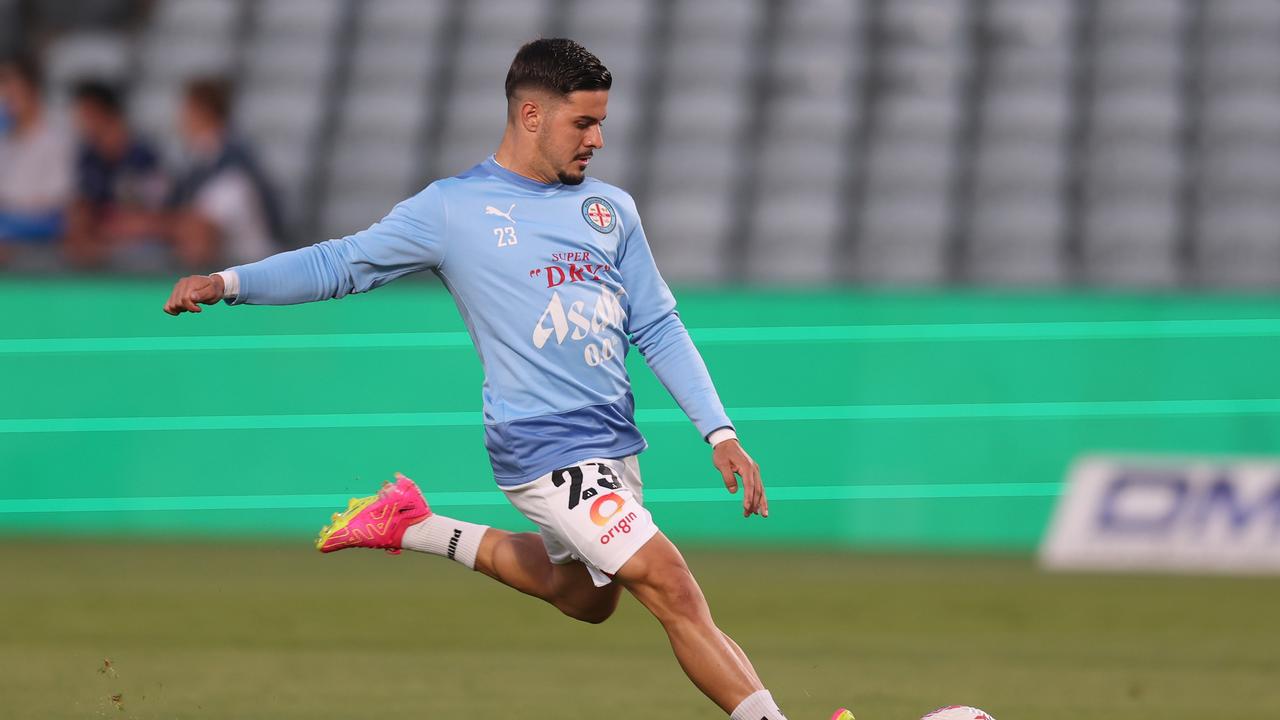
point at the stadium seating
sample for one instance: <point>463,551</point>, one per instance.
<point>381,120</point>
<point>1125,142</point>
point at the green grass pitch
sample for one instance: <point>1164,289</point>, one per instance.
<point>269,631</point>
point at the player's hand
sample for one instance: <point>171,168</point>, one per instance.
<point>729,458</point>
<point>192,291</point>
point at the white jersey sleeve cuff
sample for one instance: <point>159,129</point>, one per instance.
<point>721,434</point>
<point>230,283</point>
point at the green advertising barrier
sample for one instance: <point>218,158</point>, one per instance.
<point>930,420</point>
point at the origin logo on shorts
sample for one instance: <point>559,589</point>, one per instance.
<point>622,527</point>
<point>599,214</point>
<point>602,503</point>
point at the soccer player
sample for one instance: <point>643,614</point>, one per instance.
<point>553,276</point>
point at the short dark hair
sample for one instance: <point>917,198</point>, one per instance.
<point>558,65</point>
<point>212,95</point>
<point>99,93</point>
<point>27,67</point>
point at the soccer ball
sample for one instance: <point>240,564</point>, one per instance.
<point>957,712</point>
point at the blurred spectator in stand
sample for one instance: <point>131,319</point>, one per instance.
<point>117,216</point>
<point>36,169</point>
<point>226,212</point>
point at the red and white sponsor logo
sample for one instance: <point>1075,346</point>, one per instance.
<point>572,267</point>
<point>573,273</point>
<point>622,527</point>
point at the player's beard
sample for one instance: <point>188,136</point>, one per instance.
<point>565,177</point>
<point>572,176</point>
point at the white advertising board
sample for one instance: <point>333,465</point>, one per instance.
<point>1184,514</point>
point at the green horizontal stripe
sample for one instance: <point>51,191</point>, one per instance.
<point>1066,330</point>
<point>495,497</point>
<point>1102,330</point>
<point>241,422</point>
<point>939,411</point>
<point>237,342</point>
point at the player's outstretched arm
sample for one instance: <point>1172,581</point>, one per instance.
<point>192,291</point>
<point>730,459</point>
<point>409,239</point>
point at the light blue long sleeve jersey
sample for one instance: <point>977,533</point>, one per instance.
<point>553,281</point>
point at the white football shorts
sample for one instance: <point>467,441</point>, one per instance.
<point>591,512</point>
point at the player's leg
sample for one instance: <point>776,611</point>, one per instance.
<point>521,561</point>
<point>595,512</point>
<point>659,578</point>
<point>596,509</point>
<point>398,517</point>
<point>737,650</point>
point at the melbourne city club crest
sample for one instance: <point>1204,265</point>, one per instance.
<point>599,214</point>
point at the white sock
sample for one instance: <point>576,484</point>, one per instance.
<point>759,705</point>
<point>446,537</point>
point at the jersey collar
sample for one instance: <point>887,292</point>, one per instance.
<point>491,164</point>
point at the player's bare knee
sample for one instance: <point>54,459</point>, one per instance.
<point>594,612</point>
<point>577,597</point>
<point>594,615</point>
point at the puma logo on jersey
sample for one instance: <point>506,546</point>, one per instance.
<point>491,210</point>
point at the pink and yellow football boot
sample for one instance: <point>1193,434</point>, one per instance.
<point>377,521</point>
<point>842,714</point>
